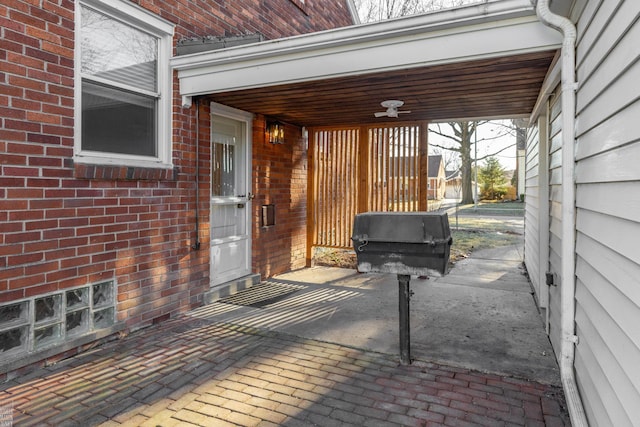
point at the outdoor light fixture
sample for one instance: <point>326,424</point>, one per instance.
<point>275,130</point>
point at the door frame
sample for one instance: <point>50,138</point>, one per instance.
<point>247,118</point>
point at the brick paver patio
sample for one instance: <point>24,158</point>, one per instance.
<point>194,372</point>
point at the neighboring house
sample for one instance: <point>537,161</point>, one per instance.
<point>93,243</point>
<point>108,216</point>
<point>437,178</point>
<point>453,185</point>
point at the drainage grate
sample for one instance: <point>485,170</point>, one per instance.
<point>262,294</point>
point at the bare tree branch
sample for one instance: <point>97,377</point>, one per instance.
<point>497,152</point>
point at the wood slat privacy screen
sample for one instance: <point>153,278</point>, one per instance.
<point>334,185</point>
<point>393,161</point>
<point>363,169</point>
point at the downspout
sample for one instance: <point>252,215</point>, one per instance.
<point>353,11</point>
<point>196,244</point>
<point>568,289</point>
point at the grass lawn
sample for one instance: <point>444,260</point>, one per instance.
<point>470,233</point>
<point>488,226</point>
<point>494,208</point>
<point>474,233</point>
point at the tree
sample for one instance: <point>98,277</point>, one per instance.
<point>492,176</point>
<point>461,139</point>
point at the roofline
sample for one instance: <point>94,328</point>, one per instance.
<point>400,43</point>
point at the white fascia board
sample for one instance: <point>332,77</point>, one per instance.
<point>474,32</point>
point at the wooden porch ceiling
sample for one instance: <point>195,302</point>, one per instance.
<point>506,86</point>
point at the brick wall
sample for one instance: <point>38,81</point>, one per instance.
<point>279,177</point>
<point>64,224</point>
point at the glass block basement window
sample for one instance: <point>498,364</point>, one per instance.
<point>40,322</point>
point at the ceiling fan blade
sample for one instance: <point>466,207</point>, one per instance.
<point>381,114</point>
<point>404,112</point>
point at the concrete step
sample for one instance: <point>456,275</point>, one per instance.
<point>230,288</point>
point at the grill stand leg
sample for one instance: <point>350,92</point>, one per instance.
<point>404,294</point>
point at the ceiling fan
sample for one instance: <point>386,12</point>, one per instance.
<point>392,106</point>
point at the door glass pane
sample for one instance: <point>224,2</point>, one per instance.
<point>224,168</point>
<point>227,221</point>
<point>223,176</point>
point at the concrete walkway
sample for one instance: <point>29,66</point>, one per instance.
<point>319,347</point>
<point>481,316</point>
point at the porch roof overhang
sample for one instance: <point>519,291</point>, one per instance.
<point>479,61</point>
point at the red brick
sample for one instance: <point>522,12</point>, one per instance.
<point>27,19</point>
<point>446,411</point>
<point>21,38</point>
<point>12,135</point>
<point>11,295</point>
<point>550,407</point>
<point>24,193</point>
<point>25,104</point>
<point>28,283</point>
<point>533,410</point>
<point>469,407</point>
<point>14,261</point>
<point>43,118</point>
<point>14,113</point>
<point>61,274</point>
<point>452,395</point>
<point>41,246</point>
<point>23,237</point>
<point>42,97</point>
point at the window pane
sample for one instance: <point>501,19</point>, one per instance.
<point>102,294</point>
<point>45,336</point>
<point>13,339</point>
<point>78,322</point>
<point>13,312</point>
<point>77,298</point>
<point>103,318</point>
<point>117,121</point>
<point>47,308</point>
<point>113,50</point>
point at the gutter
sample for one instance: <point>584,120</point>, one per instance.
<point>408,27</point>
<point>568,289</point>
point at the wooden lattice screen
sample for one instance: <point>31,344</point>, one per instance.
<point>334,185</point>
<point>360,169</point>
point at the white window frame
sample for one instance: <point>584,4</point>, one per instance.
<point>163,30</point>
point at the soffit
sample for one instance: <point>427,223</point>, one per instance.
<point>498,87</point>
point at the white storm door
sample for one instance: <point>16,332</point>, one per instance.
<point>230,201</point>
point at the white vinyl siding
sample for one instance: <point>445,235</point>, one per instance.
<point>555,218</point>
<point>537,211</point>
<point>608,212</point>
<point>532,209</point>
